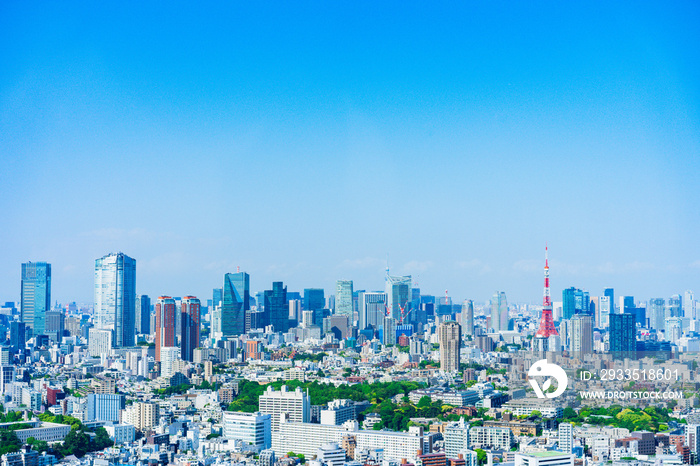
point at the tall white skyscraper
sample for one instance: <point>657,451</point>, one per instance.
<point>689,309</point>
<point>468,317</point>
<point>115,297</point>
<point>604,311</point>
<point>343,298</point>
<point>499,312</point>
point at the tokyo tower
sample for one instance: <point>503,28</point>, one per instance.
<point>546,323</point>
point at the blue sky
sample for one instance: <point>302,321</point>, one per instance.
<point>305,141</point>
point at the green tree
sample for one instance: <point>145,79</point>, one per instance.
<point>481,457</point>
<point>424,402</point>
<point>38,445</point>
<point>101,440</point>
<point>9,443</point>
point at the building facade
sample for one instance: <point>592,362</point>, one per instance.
<point>190,327</point>
<point>115,297</point>
<point>36,296</point>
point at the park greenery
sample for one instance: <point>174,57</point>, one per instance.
<point>654,419</point>
<point>183,388</point>
<point>321,393</point>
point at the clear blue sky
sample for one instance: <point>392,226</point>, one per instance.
<point>304,141</point>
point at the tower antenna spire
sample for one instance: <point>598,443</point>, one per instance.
<point>547,328</point>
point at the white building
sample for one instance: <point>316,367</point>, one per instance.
<point>491,437</point>
<point>525,406</point>
<point>143,416</point>
<point>566,437</point>
<point>338,412</point>
<point>168,356</point>
<point>544,458</point>
<point>295,406</point>
<point>252,428</point>
<point>307,439</point>
<point>456,437</point>
<point>331,454</point>
<point>99,342</point>
<point>121,433</point>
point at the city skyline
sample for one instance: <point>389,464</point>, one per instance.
<point>305,144</point>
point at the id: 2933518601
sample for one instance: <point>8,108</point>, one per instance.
<point>660,375</point>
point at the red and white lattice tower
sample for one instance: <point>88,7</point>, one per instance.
<point>546,323</point>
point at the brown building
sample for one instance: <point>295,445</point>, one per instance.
<point>432,459</point>
<point>684,451</point>
<point>348,443</point>
<point>517,427</point>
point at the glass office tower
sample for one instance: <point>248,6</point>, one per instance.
<point>235,304</point>
<point>36,296</point>
<point>115,297</point>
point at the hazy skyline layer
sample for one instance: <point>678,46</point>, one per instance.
<point>305,142</point>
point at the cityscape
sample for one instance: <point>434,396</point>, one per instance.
<point>349,234</point>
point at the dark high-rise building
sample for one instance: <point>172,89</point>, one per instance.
<point>568,298</point>
<point>165,324</point>
<point>115,297</point>
<point>623,336</point>
<point>18,336</point>
<point>314,299</point>
<point>235,305</point>
<point>191,325</point>
<point>277,308</point>
<point>217,297</point>
<point>55,324</point>
<point>36,296</point>
<point>143,314</point>
<point>626,304</point>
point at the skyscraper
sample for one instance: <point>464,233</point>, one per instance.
<point>581,335</point>
<point>143,314</point>
<point>623,336</point>
<point>468,317</point>
<point>277,309</point>
<point>605,309</point>
<point>499,312</point>
<point>626,304</point>
<point>689,305</point>
<point>450,335</point>
<point>657,313</point>
<point>18,335</point>
<point>398,294</point>
<point>343,298</point>
<point>372,308</point>
<point>314,300</point>
<point>610,293</point>
<point>235,304</point>
<point>674,307</point>
<point>165,324</point>
<point>217,296</point>
<point>115,297</point>
<point>36,296</point>
<point>190,316</point>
